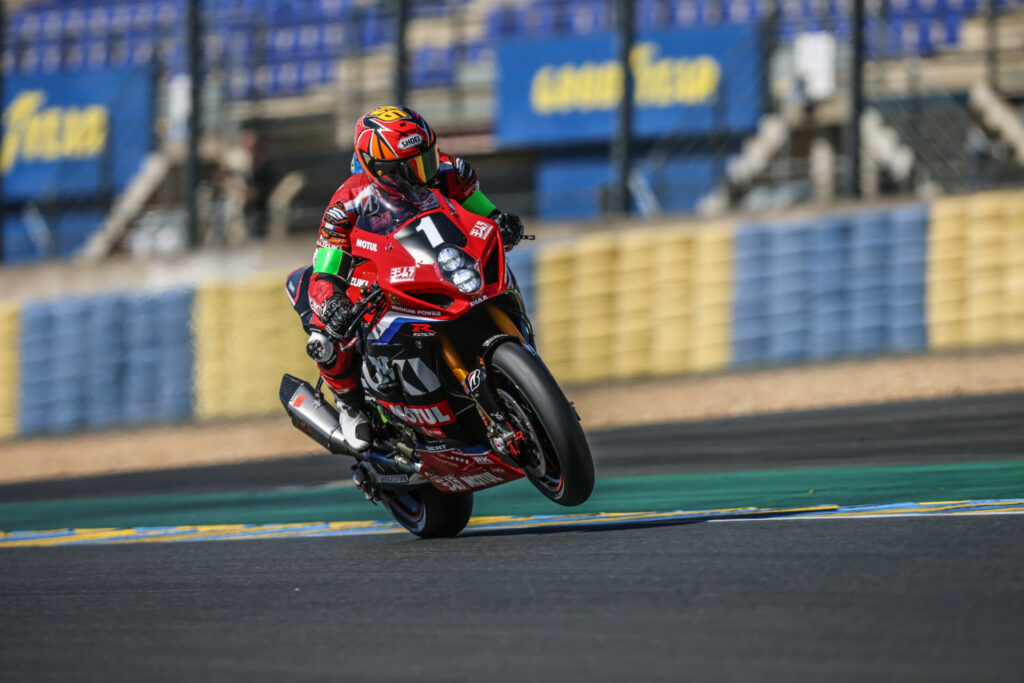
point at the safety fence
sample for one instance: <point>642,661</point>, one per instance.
<point>641,303</point>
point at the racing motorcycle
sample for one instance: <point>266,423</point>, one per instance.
<point>457,396</point>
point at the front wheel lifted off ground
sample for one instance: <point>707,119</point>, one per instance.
<point>556,457</point>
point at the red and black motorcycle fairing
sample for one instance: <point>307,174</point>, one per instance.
<point>414,343</point>
<point>458,397</point>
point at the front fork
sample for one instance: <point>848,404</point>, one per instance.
<point>505,441</point>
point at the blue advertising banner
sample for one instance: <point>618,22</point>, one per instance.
<point>691,81</point>
<point>74,134</point>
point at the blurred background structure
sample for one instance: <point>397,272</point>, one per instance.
<point>799,180</point>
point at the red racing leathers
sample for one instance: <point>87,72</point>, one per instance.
<point>332,260</point>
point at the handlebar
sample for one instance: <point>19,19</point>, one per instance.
<point>370,300</point>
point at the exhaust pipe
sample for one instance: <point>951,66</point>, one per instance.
<point>312,415</point>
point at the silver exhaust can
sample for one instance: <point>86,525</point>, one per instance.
<point>312,415</point>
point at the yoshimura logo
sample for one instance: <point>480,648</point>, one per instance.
<point>403,274</point>
<point>366,244</point>
<point>481,230</point>
<point>411,141</point>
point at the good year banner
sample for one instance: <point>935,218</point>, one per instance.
<point>687,82</point>
<point>74,134</point>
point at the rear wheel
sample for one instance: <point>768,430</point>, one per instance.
<point>430,513</point>
<point>555,454</point>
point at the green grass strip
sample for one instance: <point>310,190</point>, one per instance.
<point>770,489</point>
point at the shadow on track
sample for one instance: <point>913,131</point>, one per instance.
<point>611,523</point>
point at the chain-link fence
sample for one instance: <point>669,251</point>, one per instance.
<point>739,105</point>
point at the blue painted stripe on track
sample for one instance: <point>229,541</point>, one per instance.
<point>165,534</point>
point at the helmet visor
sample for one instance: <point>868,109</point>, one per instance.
<point>414,172</point>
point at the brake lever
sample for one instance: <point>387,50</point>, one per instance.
<point>370,300</point>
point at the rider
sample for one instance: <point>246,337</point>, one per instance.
<point>397,156</point>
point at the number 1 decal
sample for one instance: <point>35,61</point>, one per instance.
<point>430,231</point>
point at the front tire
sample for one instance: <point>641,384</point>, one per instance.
<point>430,513</point>
<point>557,458</point>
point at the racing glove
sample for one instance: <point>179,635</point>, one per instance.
<point>510,227</point>
<point>337,315</point>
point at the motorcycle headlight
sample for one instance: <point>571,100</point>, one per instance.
<point>466,280</point>
<point>451,259</point>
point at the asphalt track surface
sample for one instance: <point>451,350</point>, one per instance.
<point>898,598</point>
<point>965,429</point>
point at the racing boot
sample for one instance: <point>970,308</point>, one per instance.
<point>355,428</point>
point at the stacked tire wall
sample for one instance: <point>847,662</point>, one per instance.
<point>606,306</point>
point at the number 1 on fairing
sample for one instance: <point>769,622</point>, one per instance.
<point>430,231</point>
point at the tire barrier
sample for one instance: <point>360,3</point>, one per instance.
<point>841,285</point>
<point>635,304</point>
<point>9,362</point>
<point>246,336</point>
<point>975,277</point>
<point>640,303</point>
<point>104,361</point>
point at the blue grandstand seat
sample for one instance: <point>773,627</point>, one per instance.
<point>281,42</point>
<point>433,67</point>
<point>953,25</point>
<point>96,53</point>
<point>239,45</point>
<point>741,11</point>
<point>503,21</point>
<point>544,18</point>
<point>141,49</point>
<point>309,41</point>
<point>175,60</point>
<point>376,29</point>
<point>27,24</point>
<point>685,13</point>
<point>97,20</point>
<point>477,51</point>
<point>315,72</point>
<point>590,16</point>
<point>334,9</point>
<point>74,21</point>
<point>240,82</point>
<point>280,12</point>
<point>333,39</point>
<point>50,59</point>
<point>30,61</point>
<point>120,18</point>
<point>262,80</point>
<point>142,17</point>
<point>51,23</point>
<point>170,14</point>
<point>285,79</point>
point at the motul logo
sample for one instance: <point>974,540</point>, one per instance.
<point>423,416</point>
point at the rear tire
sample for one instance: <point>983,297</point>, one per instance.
<point>429,513</point>
<point>558,462</point>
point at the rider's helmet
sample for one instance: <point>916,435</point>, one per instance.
<point>397,150</point>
